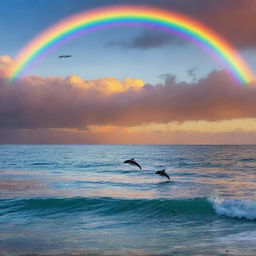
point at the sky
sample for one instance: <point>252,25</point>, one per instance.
<point>127,84</point>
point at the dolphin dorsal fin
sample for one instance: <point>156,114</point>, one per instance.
<point>132,159</point>
<point>163,170</point>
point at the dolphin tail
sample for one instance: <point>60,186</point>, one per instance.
<point>167,176</point>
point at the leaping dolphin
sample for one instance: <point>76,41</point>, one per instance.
<point>162,173</point>
<point>132,162</point>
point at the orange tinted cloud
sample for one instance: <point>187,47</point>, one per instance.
<point>5,63</point>
<point>107,85</point>
<point>224,126</point>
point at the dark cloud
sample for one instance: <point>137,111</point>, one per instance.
<point>63,103</point>
<point>150,39</point>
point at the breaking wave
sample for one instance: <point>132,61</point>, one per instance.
<point>149,208</point>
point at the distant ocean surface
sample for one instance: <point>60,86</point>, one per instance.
<point>82,200</point>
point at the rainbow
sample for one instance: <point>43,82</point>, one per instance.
<point>166,20</point>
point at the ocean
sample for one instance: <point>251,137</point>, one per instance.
<point>82,200</point>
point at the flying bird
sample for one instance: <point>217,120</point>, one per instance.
<point>65,56</point>
<point>162,173</point>
<point>132,162</point>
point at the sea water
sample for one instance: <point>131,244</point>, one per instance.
<point>82,200</point>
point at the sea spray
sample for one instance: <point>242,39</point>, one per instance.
<point>235,207</point>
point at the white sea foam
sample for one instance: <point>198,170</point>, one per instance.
<point>235,207</point>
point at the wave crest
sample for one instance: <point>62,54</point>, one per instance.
<point>235,208</point>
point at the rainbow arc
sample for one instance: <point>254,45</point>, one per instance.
<point>159,19</point>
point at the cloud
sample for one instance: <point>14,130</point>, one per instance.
<point>152,39</point>
<point>5,63</point>
<point>108,85</point>
<point>56,102</point>
<point>70,110</point>
<point>223,126</point>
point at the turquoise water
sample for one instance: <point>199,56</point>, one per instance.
<point>81,200</point>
